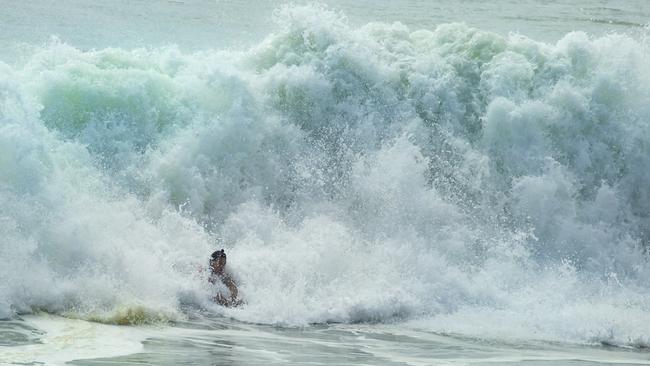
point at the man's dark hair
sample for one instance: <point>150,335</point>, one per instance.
<point>218,254</point>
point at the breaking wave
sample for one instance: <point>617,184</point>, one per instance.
<point>456,179</point>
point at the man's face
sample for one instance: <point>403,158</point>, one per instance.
<point>218,264</point>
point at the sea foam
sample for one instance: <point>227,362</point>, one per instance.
<point>461,180</point>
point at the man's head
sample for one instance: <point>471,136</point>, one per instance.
<point>218,261</point>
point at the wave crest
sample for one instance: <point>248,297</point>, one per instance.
<point>354,174</point>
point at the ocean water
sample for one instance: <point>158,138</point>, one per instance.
<point>395,183</point>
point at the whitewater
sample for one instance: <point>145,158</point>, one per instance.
<point>387,192</point>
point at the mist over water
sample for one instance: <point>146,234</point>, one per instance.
<point>455,179</point>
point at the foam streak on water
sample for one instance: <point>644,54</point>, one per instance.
<point>456,179</point>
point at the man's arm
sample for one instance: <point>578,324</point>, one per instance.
<point>230,283</point>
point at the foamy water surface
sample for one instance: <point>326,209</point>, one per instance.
<point>390,179</point>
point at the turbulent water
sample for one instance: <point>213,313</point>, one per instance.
<point>451,180</point>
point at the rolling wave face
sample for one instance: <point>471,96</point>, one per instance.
<point>480,184</point>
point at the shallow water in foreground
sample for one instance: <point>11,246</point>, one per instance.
<point>53,340</point>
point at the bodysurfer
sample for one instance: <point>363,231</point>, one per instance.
<point>218,274</point>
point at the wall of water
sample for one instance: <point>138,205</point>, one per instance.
<point>458,179</point>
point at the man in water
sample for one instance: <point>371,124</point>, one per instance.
<point>218,274</point>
